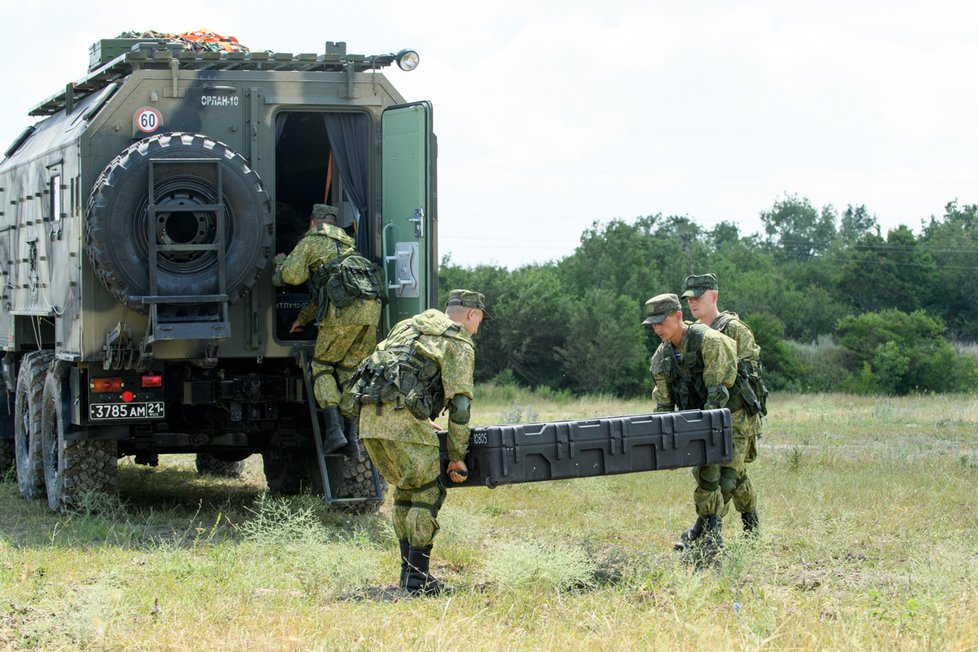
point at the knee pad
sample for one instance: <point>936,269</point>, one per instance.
<point>707,477</point>
<point>728,481</point>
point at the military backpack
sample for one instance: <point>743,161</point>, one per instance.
<point>752,389</point>
<point>400,374</point>
<point>345,279</point>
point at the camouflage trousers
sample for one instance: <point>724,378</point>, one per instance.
<point>339,350</point>
<point>718,484</point>
<point>414,470</point>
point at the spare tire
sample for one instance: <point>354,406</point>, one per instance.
<point>118,229</point>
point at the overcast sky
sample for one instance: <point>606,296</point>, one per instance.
<point>553,114</point>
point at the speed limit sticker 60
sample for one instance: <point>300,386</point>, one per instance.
<point>148,120</point>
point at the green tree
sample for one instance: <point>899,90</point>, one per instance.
<point>856,223</point>
<point>797,230</point>
<point>952,243</point>
<point>900,352</point>
<point>895,273</point>
<point>605,348</point>
<point>781,367</point>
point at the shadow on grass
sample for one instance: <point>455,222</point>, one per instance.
<point>167,506</point>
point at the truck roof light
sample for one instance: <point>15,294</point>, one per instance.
<point>407,60</point>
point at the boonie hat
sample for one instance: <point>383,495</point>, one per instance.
<point>323,212</point>
<point>696,284</point>
<point>661,306</point>
<point>469,299</point>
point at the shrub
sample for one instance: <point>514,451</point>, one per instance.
<point>898,353</point>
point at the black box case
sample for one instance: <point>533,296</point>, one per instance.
<point>560,450</point>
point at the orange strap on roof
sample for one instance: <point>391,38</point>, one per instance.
<point>207,36</point>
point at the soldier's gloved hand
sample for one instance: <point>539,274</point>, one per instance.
<point>716,397</point>
<point>457,471</point>
<point>279,257</point>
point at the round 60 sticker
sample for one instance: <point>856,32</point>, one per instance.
<point>148,120</point>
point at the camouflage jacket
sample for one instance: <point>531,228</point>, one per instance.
<point>322,244</point>
<point>730,325</point>
<point>719,354</point>
<point>437,338</point>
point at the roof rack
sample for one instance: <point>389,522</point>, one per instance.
<point>160,55</point>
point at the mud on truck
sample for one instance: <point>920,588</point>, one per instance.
<point>138,221</point>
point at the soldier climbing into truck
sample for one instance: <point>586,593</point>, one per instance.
<point>346,303</point>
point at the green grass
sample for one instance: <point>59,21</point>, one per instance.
<point>869,540</point>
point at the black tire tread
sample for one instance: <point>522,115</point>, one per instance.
<point>85,466</point>
<point>27,404</point>
<point>356,478</point>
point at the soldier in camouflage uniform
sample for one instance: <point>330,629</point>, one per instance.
<point>346,336</point>
<point>694,368</point>
<point>424,367</point>
<point>701,292</point>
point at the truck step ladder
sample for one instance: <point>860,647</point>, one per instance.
<point>318,426</point>
<point>217,325</point>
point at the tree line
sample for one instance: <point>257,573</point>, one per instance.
<point>834,303</point>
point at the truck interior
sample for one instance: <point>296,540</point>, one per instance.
<point>320,157</point>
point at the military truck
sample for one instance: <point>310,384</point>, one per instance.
<point>138,220</point>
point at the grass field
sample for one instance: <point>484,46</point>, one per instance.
<point>869,516</point>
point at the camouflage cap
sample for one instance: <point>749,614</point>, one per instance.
<point>696,284</point>
<point>661,306</point>
<point>469,299</point>
<point>324,212</point>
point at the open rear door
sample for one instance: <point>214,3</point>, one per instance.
<point>409,237</point>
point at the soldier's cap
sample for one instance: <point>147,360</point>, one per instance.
<point>661,306</point>
<point>324,212</point>
<point>469,299</point>
<point>696,284</point>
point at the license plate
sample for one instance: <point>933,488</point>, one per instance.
<point>107,411</point>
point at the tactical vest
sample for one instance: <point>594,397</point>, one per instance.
<point>685,381</point>
<point>345,279</point>
<point>400,374</point>
<point>753,391</point>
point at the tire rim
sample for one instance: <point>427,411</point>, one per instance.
<point>182,227</point>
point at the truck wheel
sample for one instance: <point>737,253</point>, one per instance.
<point>283,474</point>
<point>72,468</point>
<point>27,423</point>
<point>207,464</point>
<point>357,479</point>
<point>350,478</point>
<point>118,230</point>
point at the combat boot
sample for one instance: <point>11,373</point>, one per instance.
<point>335,439</point>
<point>352,428</point>
<point>710,543</point>
<point>692,534</point>
<point>752,523</point>
<point>419,581</point>
<point>405,546</point>
<point>704,551</point>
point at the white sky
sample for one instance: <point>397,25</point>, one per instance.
<point>553,114</point>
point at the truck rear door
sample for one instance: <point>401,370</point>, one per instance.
<point>409,236</point>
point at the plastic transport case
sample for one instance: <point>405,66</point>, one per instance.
<point>559,450</point>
